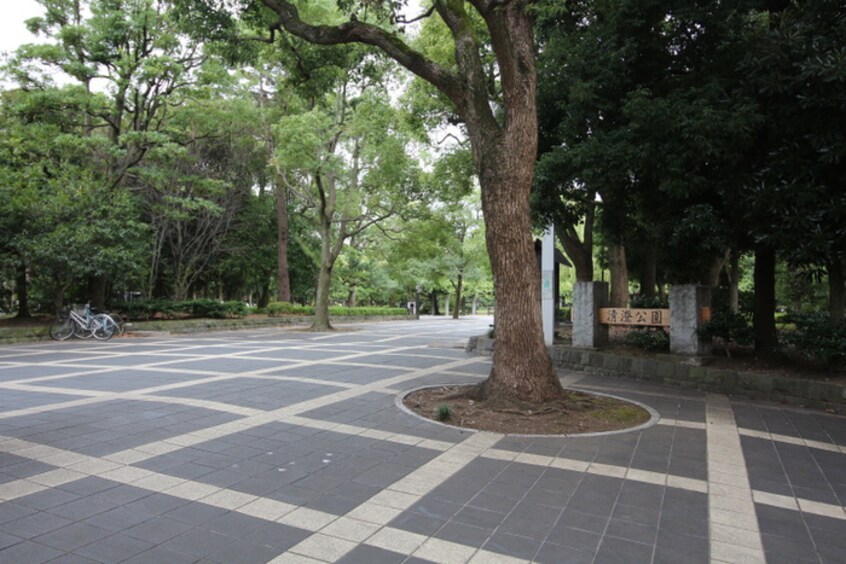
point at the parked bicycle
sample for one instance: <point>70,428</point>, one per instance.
<point>84,325</point>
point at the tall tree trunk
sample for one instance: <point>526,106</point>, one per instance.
<point>711,278</point>
<point>836,292</point>
<point>458,288</point>
<point>22,291</point>
<point>264,296</point>
<point>475,302</point>
<point>580,250</point>
<point>97,291</point>
<point>283,275</point>
<point>433,298</point>
<point>649,271</point>
<point>352,296</point>
<point>763,316</point>
<point>324,280</point>
<point>734,281</point>
<point>619,275</point>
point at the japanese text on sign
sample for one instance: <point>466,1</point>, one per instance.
<point>632,316</point>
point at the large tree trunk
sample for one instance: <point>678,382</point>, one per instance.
<point>283,276</point>
<point>763,316</point>
<point>324,280</point>
<point>351,297</point>
<point>836,292</point>
<point>458,288</point>
<point>711,278</point>
<point>579,251</point>
<point>734,281</point>
<point>433,299</point>
<point>619,275</point>
<point>97,291</point>
<point>22,291</point>
<point>649,271</point>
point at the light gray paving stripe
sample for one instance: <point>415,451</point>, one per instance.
<point>99,396</point>
<point>831,447</point>
<point>734,534</point>
<point>368,521</point>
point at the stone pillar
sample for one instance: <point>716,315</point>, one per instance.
<point>547,284</point>
<point>588,297</point>
<point>686,305</point>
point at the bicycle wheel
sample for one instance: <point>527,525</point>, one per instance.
<point>119,323</point>
<point>61,329</point>
<point>102,327</point>
<point>83,331</point>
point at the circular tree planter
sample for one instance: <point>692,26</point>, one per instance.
<point>578,413</point>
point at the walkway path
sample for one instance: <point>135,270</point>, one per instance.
<point>284,446</point>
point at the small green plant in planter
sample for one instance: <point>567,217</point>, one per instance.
<point>443,413</point>
<point>648,340</point>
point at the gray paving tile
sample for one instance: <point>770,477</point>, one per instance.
<point>115,548</point>
<point>72,537</point>
<point>281,537</point>
<point>160,555</point>
<point>198,542</point>
<point>464,534</point>
<point>555,554</point>
<point>35,524</point>
<point>372,555</point>
<point>563,535</point>
<point>158,530</point>
<point>613,550</point>
<point>28,552</point>
<point>512,545</point>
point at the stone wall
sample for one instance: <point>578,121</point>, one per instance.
<point>677,372</point>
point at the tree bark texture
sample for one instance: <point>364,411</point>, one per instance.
<point>458,288</point>
<point>763,315</point>
<point>734,281</point>
<point>579,250</point>
<point>837,292</point>
<point>619,275</point>
<point>282,274</point>
<point>648,272</point>
<point>22,291</point>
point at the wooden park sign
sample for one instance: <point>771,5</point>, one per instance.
<point>643,317</point>
<point>634,316</point>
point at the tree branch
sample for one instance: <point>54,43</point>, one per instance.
<point>368,34</point>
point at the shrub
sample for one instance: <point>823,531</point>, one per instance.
<point>816,337</point>
<point>729,327</point>
<point>654,302</point>
<point>648,339</point>
<point>275,309</point>
<point>443,412</point>
<point>342,311</point>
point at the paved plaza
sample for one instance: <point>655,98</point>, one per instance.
<point>286,446</point>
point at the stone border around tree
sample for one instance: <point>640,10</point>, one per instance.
<point>801,392</point>
<point>654,416</point>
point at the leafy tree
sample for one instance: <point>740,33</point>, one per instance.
<point>346,162</point>
<point>130,49</point>
<point>490,81</point>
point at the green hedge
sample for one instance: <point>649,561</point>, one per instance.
<point>165,309</point>
<point>275,309</point>
<point>816,337</point>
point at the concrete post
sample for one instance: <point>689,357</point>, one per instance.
<point>547,284</point>
<point>686,305</point>
<point>588,297</point>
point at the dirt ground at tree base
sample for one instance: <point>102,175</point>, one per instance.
<point>576,413</point>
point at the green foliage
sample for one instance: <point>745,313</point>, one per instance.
<point>443,413</point>
<point>729,327</point>
<point>167,309</point>
<point>654,302</point>
<point>817,337</point>
<point>275,309</point>
<point>648,339</point>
